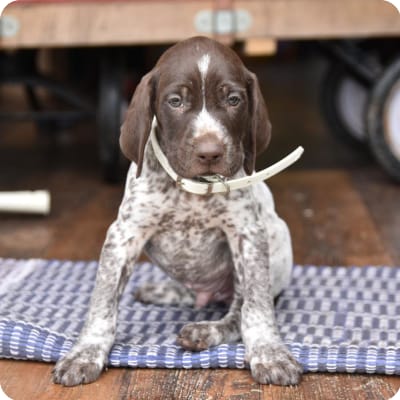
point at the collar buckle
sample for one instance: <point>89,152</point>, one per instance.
<point>213,179</point>
<point>178,182</point>
<point>225,183</point>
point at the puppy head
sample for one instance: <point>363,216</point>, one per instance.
<point>211,116</point>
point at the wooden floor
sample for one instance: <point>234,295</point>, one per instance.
<point>340,207</point>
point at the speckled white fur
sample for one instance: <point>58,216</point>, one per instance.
<point>231,248</point>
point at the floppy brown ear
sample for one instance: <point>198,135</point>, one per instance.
<point>259,132</point>
<point>136,128</point>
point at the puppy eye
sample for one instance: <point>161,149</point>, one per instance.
<point>233,100</point>
<point>175,101</point>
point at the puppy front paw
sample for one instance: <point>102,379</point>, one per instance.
<point>273,364</point>
<point>80,366</point>
<point>199,336</point>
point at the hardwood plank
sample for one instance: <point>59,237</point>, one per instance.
<point>147,384</point>
<point>102,23</point>
<point>330,223</point>
<point>335,387</point>
<point>59,235</point>
<point>36,378</point>
<point>381,196</point>
<point>190,385</point>
<point>94,216</point>
<point>143,384</point>
<point>330,18</point>
<point>144,22</point>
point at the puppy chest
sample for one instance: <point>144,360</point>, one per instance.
<point>190,255</point>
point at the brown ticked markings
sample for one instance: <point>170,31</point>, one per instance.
<point>210,119</point>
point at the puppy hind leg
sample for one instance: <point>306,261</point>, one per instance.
<point>168,292</point>
<point>197,336</point>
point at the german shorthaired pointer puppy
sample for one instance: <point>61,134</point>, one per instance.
<point>208,115</point>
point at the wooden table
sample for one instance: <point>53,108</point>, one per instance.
<point>101,23</point>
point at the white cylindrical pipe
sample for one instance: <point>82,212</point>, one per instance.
<point>27,202</point>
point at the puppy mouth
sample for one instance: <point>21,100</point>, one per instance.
<point>202,174</point>
<point>215,178</point>
<point>188,168</point>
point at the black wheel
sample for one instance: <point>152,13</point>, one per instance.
<point>109,112</point>
<point>343,100</point>
<point>383,120</point>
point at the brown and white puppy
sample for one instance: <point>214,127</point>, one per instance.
<point>210,119</point>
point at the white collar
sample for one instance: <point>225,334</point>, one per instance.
<point>216,184</point>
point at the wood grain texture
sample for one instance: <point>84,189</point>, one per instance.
<point>24,380</point>
<point>330,223</point>
<point>341,209</point>
<point>151,22</point>
<point>381,198</point>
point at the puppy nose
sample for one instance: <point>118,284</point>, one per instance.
<point>209,151</point>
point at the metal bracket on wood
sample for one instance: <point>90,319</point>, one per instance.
<point>9,26</point>
<point>222,22</point>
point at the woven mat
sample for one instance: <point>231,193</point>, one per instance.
<point>332,318</point>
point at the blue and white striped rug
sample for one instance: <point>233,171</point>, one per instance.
<point>332,318</point>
